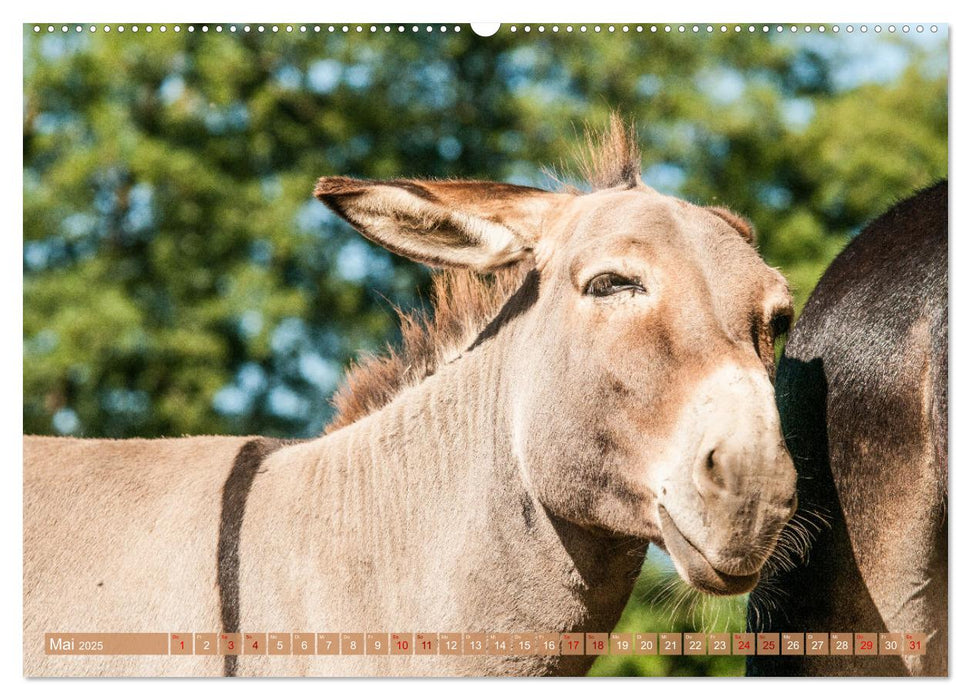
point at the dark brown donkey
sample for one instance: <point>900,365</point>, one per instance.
<point>862,391</point>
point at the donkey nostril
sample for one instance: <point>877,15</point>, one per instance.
<point>711,474</point>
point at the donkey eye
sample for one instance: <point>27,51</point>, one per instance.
<point>780,324</point>
<point>610,283</point>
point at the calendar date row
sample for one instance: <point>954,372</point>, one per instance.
<point>488,643</point>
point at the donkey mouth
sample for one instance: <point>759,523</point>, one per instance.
<point>695,568</point>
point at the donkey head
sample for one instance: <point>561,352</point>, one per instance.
<point>640,396</point>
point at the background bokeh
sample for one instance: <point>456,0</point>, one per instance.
<point>180,279</point>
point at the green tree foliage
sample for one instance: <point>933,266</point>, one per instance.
<point>180,279</point>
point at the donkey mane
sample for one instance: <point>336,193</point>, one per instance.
<point>463,302</point>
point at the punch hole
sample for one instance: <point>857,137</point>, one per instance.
<point>485,28</point>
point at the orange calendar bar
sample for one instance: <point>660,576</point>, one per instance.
<point>106,643</point>
<point>489,643</point>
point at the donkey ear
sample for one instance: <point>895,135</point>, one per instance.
<point>478,225</point>
<point>739,223</point>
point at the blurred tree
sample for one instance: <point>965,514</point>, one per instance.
<point>179,278</point>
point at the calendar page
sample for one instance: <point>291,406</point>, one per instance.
<point>393,350</point>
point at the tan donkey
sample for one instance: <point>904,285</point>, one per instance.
<point>605,386</point>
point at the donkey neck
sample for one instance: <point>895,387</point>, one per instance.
<point>436,468</point>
